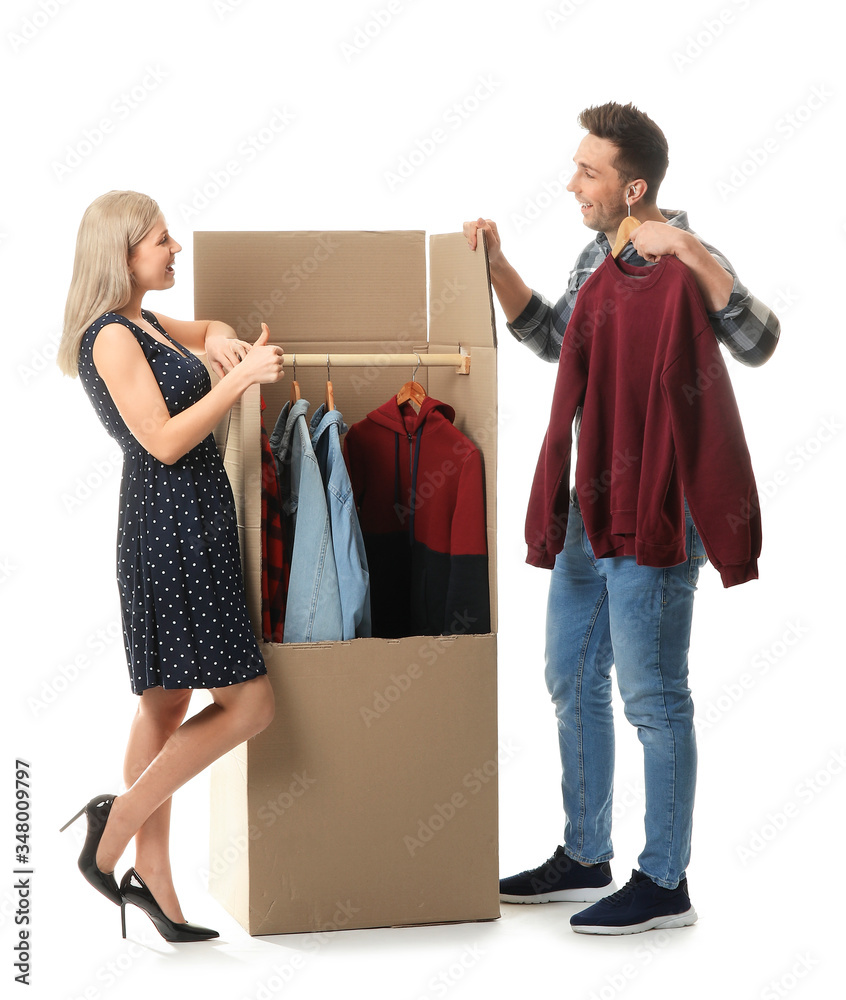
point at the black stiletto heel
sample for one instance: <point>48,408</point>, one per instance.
<point>134,890</point>
<point>96,813</point>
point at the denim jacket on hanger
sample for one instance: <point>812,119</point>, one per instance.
<point>313,610</point>
<point>347,541</point>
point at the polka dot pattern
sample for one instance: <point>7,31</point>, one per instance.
<point>185,620</point>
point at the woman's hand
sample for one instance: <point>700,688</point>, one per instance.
<point>224,353</point>
<point>263,361</point>
<point>121,364</point>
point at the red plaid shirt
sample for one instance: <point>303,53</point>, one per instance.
<point>275,567</point>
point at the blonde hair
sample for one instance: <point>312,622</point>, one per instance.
<point>111,228</point>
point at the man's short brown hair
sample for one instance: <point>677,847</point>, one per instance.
<point>641,145</point>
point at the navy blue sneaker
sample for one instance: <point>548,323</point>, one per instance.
<point>558,880</point>
<point>640,905</point>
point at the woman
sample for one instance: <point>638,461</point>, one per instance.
<point>179,575</point>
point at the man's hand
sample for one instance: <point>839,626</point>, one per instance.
<point>513,293</point>
<point>654,240</point>
<point>471,231</point>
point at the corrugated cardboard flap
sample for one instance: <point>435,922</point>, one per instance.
<point>459,292</point>
<point>314,286</point>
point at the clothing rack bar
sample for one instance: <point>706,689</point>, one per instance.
<point>460,361</point>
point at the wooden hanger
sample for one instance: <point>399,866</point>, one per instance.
<point>624,233</point>
<point>412,391</point>
<point>330,392</point>
<point>295,385</point>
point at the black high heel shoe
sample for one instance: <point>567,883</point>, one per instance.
<point>96,813</point>
<point>134,890</point>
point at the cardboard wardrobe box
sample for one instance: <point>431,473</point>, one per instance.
<point>371,799</point>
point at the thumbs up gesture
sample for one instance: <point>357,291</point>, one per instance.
<point>264,361</point>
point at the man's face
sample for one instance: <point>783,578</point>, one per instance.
<point>597,186</point>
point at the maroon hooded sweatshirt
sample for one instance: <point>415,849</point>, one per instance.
<point>418,484</point>
<point>659,423</point>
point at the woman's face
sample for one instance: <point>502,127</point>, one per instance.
<point>151,265</point>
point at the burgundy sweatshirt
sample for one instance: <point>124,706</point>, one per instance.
<point>659,423</point>
<point>419,486</point>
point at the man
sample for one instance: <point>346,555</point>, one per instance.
<point>612,610</point>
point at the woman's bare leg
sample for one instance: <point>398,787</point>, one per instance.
<point>238,712</point>
<point>160,713</point>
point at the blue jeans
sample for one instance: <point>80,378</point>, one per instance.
<point>604,611</point>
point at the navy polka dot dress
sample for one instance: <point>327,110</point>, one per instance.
<point>185,621</point>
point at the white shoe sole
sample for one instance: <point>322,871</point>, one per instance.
<point>587,895</point>
<point>656,923</point>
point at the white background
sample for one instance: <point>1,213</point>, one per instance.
<point>750,96</point>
